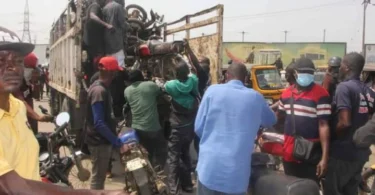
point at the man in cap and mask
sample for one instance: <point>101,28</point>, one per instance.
<point>306,109</point>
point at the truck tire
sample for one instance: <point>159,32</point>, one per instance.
<point>139,8</point>
<point>54,102</point>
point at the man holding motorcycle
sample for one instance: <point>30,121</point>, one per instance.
<point>19,150</point>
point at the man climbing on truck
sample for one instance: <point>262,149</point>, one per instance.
<point>114,15</point>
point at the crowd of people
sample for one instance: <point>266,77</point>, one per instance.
<point>318,121</point>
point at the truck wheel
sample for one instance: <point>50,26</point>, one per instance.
<point>54,103</point>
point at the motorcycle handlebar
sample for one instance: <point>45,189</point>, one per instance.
<point>58,130</point>
<point>43,110</point>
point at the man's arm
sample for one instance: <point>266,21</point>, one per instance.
<point>201,74</point>
<point>200,119</point>
<point>268,117</point>
<point>324,113</point>
<point>30,111</point>
<point>365,135</point>
<point>94,17</point>
<point>12,183</point>
<point>344,107</point>
<point>101,126</point>
<point>97,104</point>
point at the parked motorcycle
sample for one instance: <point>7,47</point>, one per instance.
<point>271,143</point>
<point>140,176</point>
<point>67,169</point>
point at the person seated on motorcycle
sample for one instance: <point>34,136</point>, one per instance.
<point>19,149</point>
<point>25,94</point>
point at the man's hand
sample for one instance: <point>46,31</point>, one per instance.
<point>108,26</point>
<point>46,118</point>
<point>321,168</point>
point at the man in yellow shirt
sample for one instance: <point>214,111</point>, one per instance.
<point>19,149</point>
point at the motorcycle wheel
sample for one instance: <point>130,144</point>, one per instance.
<point>369,176</point>
<point>142,181</point>
<point>72,174</point>
<point>139,8</point>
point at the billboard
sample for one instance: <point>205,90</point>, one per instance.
<point>267,53</point>
<point>370,57</point>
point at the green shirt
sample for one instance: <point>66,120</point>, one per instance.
<point>142,98</point>
<point>182,92</point>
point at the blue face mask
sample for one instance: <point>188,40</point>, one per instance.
<point>304,79</point>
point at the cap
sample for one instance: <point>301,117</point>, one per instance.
<point>31,60</point>
<point>10,41</point>
<point>110,63</point>
<point>334,62</point>
<point>304,64</point>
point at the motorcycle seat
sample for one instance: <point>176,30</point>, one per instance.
<point>129,136</point>
<point>272,137</point>
<point>280,184</point>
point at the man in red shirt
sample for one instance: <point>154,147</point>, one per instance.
<point>312,110</point>
<point>25,94</point>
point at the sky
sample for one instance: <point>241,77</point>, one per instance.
<point>261,20</point>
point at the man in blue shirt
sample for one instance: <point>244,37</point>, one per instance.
<point>227,123</point>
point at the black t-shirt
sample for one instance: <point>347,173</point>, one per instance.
<point>94,32</point>
<point>350,95</point>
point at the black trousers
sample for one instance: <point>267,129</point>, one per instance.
<point>179,160</point>
<point>343,177</point>
<point>301,170</point>
<point>156,146</point>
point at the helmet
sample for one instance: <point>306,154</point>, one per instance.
<point>10,41</point>
<point>334,62</point>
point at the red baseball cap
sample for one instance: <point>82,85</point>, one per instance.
<point>30,60</point>
<point>110,63</point>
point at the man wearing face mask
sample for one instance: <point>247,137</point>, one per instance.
<point>311,111</point>
<point>25,93</point>
<point>331,78</point>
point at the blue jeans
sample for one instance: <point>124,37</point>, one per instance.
<point>203,190</point>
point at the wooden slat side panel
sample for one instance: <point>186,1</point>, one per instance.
<point>206,46</point>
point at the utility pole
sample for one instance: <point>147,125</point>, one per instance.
<point>324,35</point>
<point>286,34</point>
<point>365,4</point>
<point>26,24</point>
<point>243,35</point>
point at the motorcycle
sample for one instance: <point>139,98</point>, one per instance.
<point>264,181</point>
<point>57,169</point>
<point>271,143</point>
<point>140,175</point>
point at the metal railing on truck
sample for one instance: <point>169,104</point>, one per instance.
<point>208,45</point>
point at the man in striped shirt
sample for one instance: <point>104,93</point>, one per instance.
<point>312,110</point>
